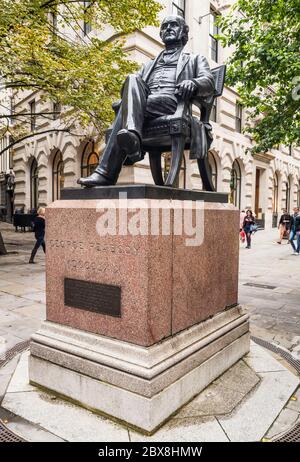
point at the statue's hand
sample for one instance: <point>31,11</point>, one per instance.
<point>186,89</point>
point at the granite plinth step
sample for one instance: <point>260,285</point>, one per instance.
<point>141,386</point>
<point>241,405</point>
<point>142,191</point>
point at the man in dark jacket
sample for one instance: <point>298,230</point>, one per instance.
<point>293,230</point>
<point>39,232</point>
<point>296,231</point>
<point>152,93</point>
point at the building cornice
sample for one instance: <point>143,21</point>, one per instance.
<point>265,157</point>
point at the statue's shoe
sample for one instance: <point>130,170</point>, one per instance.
<point>96,179</point>
<point>129,142</point>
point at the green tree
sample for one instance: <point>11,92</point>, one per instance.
<point>42,47</point>
<point>265,67</point>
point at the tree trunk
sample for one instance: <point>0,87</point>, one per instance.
<point>3,250</point>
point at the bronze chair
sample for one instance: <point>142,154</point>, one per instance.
<point>173,133</point>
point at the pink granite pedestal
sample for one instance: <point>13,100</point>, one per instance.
<point>178,308</point>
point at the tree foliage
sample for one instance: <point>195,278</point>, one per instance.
<point>42,47</point>
<point>265,67</point>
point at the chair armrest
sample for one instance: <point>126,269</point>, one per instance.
<point>182,109</point>
<point>116,105</point>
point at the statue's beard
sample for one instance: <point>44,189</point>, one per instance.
<point>176,43</point>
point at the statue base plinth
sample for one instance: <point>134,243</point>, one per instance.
<point>139,386</point>
<point>140,318</point>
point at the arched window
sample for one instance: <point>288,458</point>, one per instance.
<point>235,184</point>
<point>89,160</point>
<point>57,176</point>
<point>287,195</point>
<point>213,169</point>
<point>34,185</point>
<point>275,194</point>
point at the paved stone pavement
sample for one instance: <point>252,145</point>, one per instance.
<point>241,405</point>
<point>22,288</point>
<point>275,310</point>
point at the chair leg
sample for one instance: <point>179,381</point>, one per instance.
<point>155,166</point>
<point>178,143</point>
<point>205,174</point>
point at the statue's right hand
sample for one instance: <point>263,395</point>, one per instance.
<point>186,89</point>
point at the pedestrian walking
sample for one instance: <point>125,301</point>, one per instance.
<point>39,232</point>
<point>249,227</point>
<point>284,225</point>
<point>296,231</point>
<point>242,232</point>
<point>293,230</point>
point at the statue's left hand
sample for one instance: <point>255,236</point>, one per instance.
<point>186,89</point>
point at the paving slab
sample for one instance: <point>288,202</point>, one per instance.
<point>286,420</point>
<point>8,341</point>
<point>191,430</point>
<point>32,433</point>
<point>261,361</point>
<point>63,419</point>
<point>34,310</point>
<point>36,296</point>
<point>20,379</point>
<point>240,378</point>
<point>215,400</point>
<point>252,419</point>
<point>8,301</point>
<point>294,402</point>
<point>19,289</point>
<point>6,373</point>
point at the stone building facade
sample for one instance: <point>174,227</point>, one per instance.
<point>6,161</point>
<point>267,183</point>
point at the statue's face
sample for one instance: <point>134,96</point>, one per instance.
<point>171,29</point>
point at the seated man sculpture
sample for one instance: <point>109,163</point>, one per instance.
<point>152,93</point>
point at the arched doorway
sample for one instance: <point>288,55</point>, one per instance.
<point>34,185</point>
<point>57,176</point>
<point>275,201</point>
<point>236,184</point>
<point>213,169</point>
<point>89,159</point>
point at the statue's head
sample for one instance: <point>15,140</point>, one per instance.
<point>174,29</point>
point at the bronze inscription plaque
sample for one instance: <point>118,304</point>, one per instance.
<point>91,296</point>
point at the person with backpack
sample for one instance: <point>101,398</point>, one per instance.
<point>296,231</point>
<point>293,230</point>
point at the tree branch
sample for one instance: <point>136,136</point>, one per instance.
<point>11,145</point>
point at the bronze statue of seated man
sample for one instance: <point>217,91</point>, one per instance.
<point>152,93</point>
